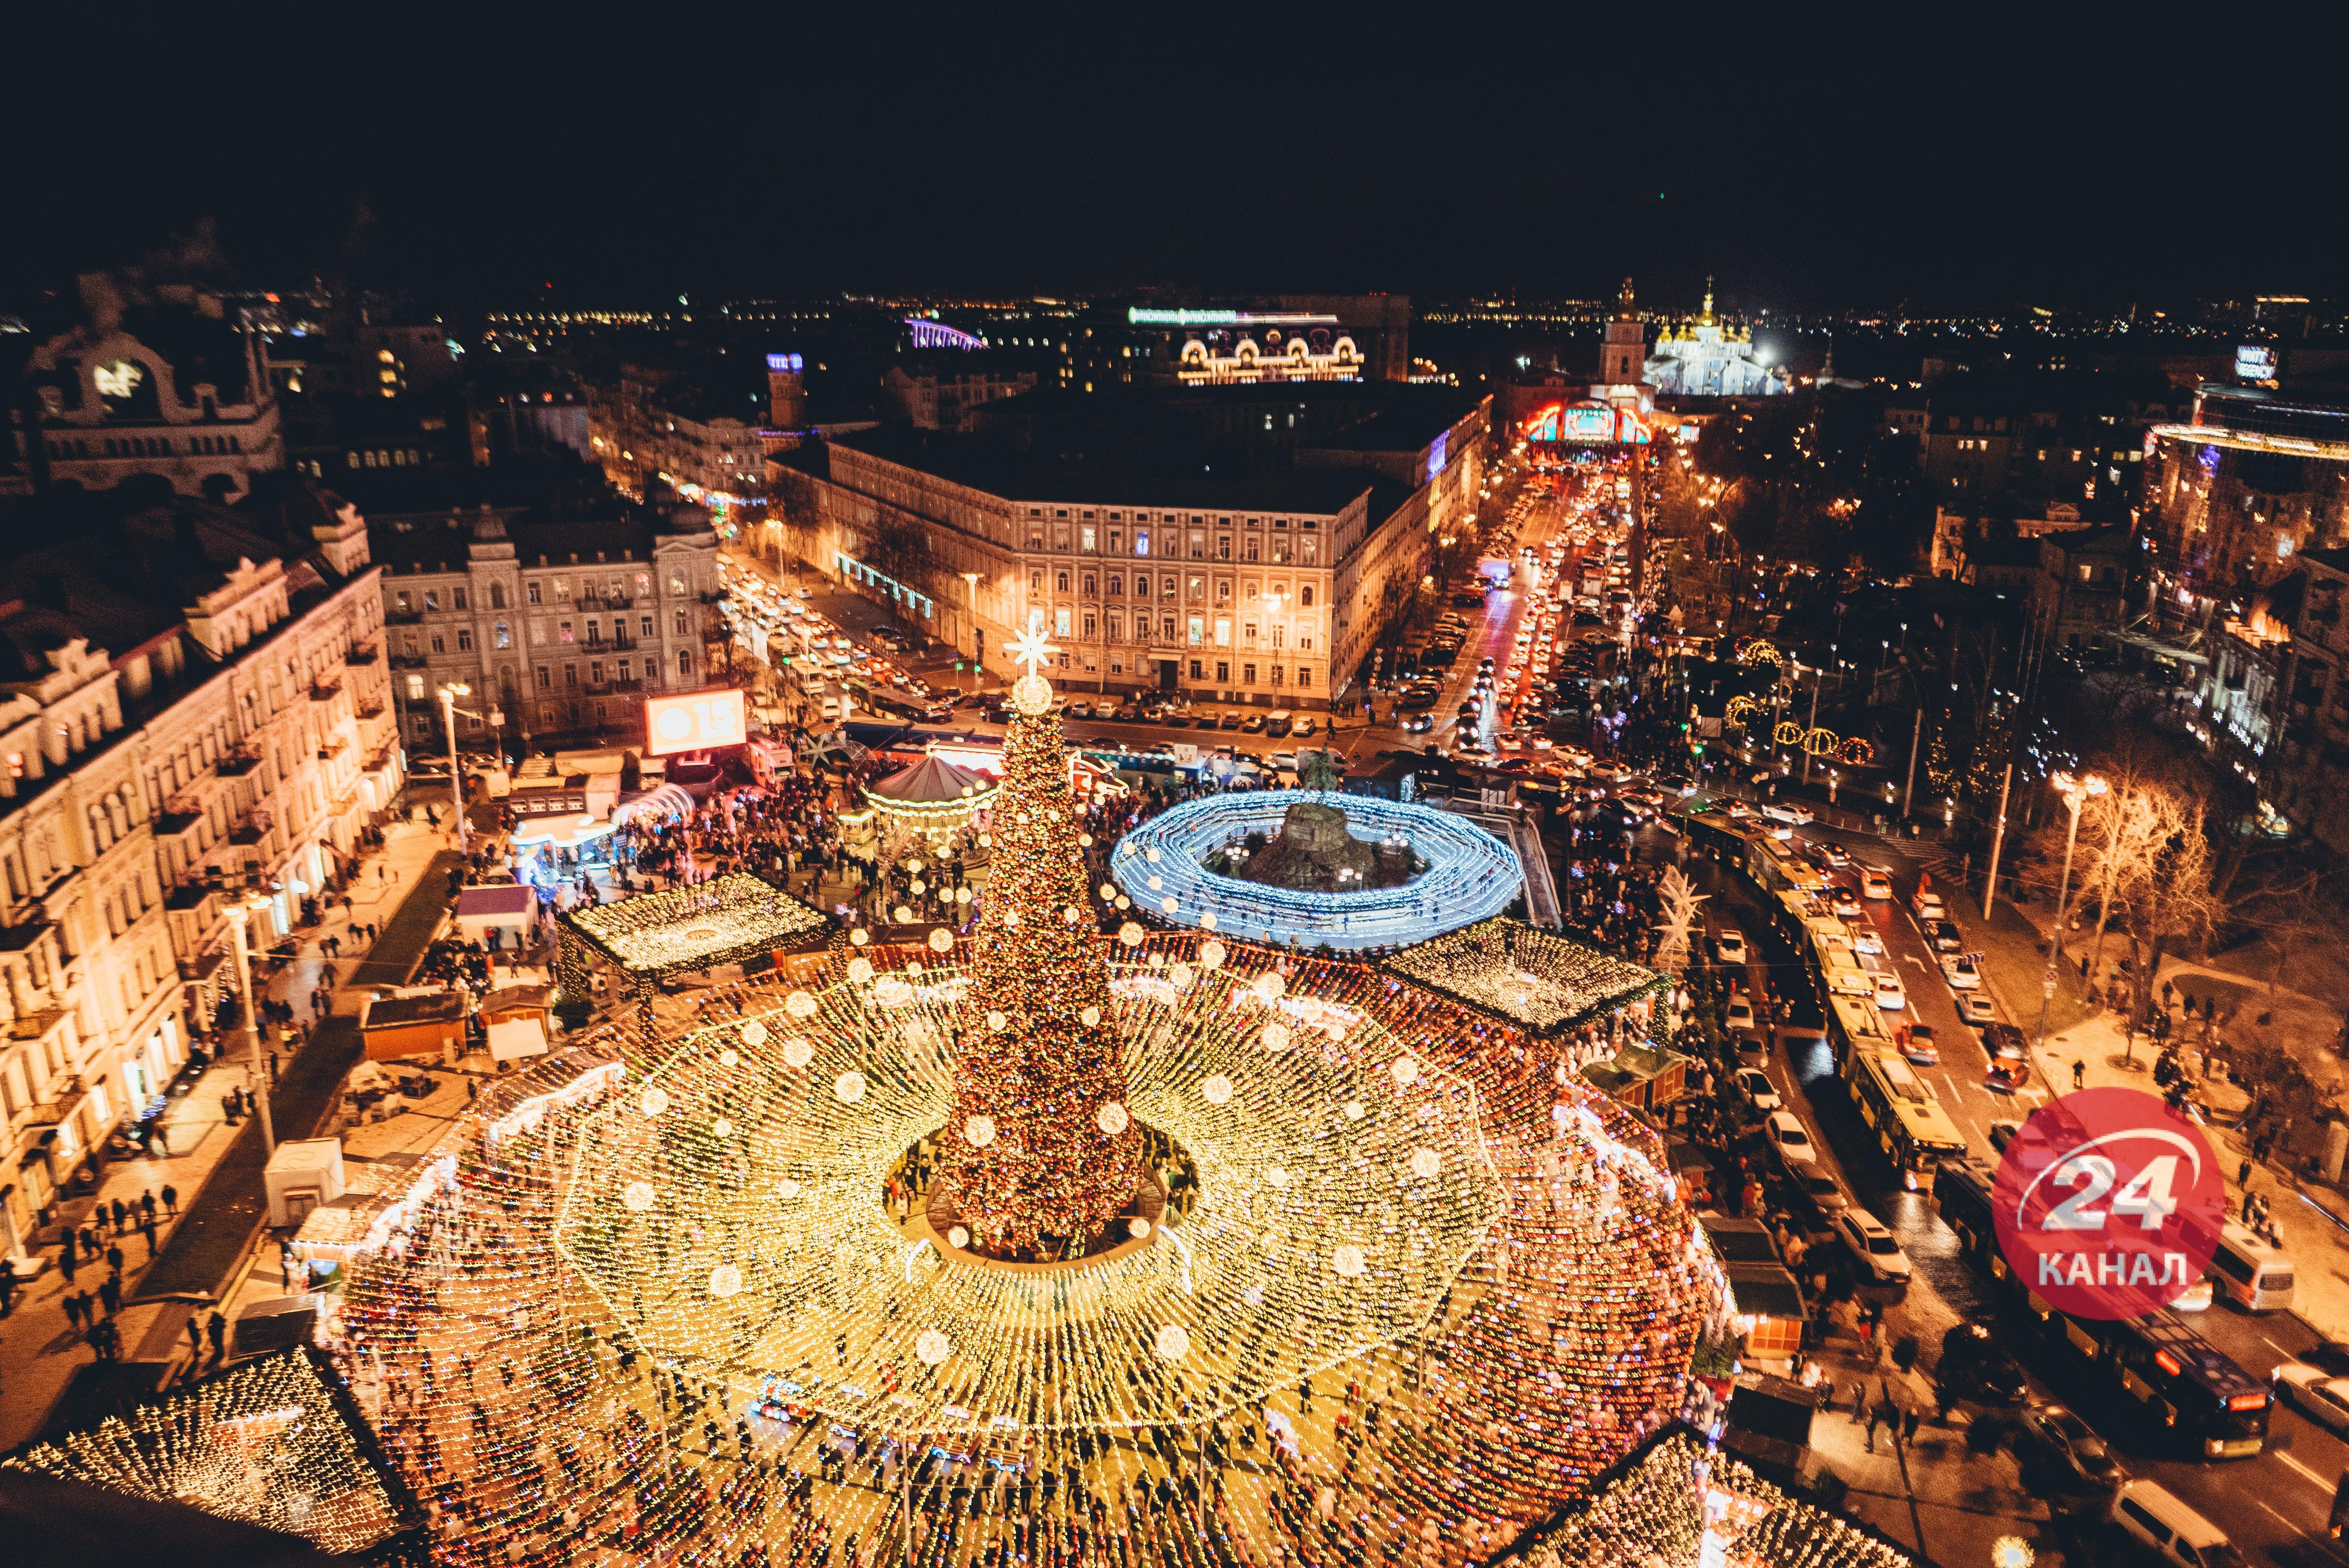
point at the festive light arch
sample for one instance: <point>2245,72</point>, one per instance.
<point>1471,875</point>
<point>1856,752</point>
<point>1820,742</point>
<point>1740,709</point>
<point>1788,732</point>
<point>1761,651</point>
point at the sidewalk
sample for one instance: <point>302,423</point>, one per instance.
<point>214,1168</point>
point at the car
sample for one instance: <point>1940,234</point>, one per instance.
<point>1975,1366</point>
<point>1252,725</point>
<point>2003,1133</point>
<point>1825,1194</point>
<point>1916,1043</point>
<point>1891,995</point>
<point>2054,1442</point>
<point>1078,710</point>
<point>1740,1014</point>
<point>2004,1042</point>
<point>1976,1008</point>
<point>1730,945</point>
<point>1305,726</point>
<point>1739,810</point>
<point>1229,721</point>
<point>1865,940</point>
<point>1942,936</point>
<point>1753,1050</point>
<point>1787,1136</point>
<point>1875,1249</point>
<point>1754,1084</point>
<point>1927,905</point>
<point>1414,724</point>
<point>1961,972</point>
<point>1842,899</point>
<point>2330,1357</point>
<point>1875,883</point>
<point>2007,1078</point>
<point>2153,1517</point>
<point>1284,761</point>
<point>1788,811</point>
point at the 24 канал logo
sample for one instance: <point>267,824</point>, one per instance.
<point>2108,1203</point>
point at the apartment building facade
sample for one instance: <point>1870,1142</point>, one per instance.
<point>1267,590</point>
<point>558,626</point>
<point>239,747</point>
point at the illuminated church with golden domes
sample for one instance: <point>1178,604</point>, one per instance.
<point>1707,359</point>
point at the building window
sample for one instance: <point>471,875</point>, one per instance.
<point>1198,630</point>
<point>571,676</point>
<point>1141,542</point>
<point>497,595</point>
<point>595,672</point>
<point>1223,631</point>
<point>1090,629</point>
<point>438,643</point>
<point>646,623</point>
<point>504,637</point>
<point>543,682</point>
<point>415,687</point>
<point>1060,581</point>
<point>1061,620</point>
<point>1090,590</point>
<point>433,598</point>
<point>685,665</point>
<point>1223,672</point>
<point>1249,548</point>
<point>456,599</point>
<point>562,631</point>
<point>1305,595</point>
<point>529,590</point>
<point>1248,674</point>
<point>1276,674</point>
<point>405,607</point>
<point>1116,585</point>
<point>1195,670</point>
<point>464,640</point>
<point>1304,675</point>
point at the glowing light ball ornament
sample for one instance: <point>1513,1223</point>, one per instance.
<point>800,1005</point>
<point>1425,1162</point>
<point>637,1197</point>
<point>1275,1037</point>
<point>942,940</point>
<point>725,1280</point>
<point>1173,1343</point>
<point>1405,1071</point>
<point>1215,1089</point>
<point>654,1103</point>
<point>978,1131</point>
<point>754,1034</point>
<point>798,1051</point>
<point>848,1087</point>
<point>1349,1262</point>
<point>1111,1118</point>
<point>931,1347</point>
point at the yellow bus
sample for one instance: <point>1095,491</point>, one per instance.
<point>1915,1133</point>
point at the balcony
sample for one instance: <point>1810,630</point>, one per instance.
<point>408,660</point>
<point>362,658</point>
<point>618,602</point>
<point>403,617</point>
<point>238,767</point>
<point>374,708</point>
<point>326,690</point>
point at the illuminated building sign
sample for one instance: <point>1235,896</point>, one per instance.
<point>2255,362</point>
<point>121,378</point>
<point>1591,422</point>
<point>693,723</point>
<point>1137,316</point>
<point>1435,455</point>
<point>789,363</point>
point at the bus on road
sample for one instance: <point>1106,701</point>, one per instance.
<point>1915,1133</point>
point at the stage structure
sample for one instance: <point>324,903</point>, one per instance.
<point>733,919</point>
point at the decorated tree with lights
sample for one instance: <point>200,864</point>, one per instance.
<point>1041,1151</point>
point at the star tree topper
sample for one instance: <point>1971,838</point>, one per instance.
<point>1031,694</point>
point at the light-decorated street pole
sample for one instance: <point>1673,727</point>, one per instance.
<point>448,695</point>
<point>2076,793</point>
<point>239,914</point>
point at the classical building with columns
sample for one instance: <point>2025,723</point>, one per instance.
<point>1267,588</point>
<point>194,708</point>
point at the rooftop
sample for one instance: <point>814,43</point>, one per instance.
<point>1523,976</point>
<point>1132,469</point>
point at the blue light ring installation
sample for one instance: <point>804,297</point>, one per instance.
<point>1471,876</point>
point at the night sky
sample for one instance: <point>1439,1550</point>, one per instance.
<point>1941,158</point>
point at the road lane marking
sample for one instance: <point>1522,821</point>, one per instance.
<point>2314,1479</point>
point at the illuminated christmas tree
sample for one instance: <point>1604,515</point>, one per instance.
<point>1041,1152</point>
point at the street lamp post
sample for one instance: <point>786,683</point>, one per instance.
<point>2075,793</point>
<point>448,695</point>
<point>239,913</point>
<point>977,653</point>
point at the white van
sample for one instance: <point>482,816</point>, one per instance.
<point>2250,1272</point>
<point>1277,722</point>
<point>2152,1515</point>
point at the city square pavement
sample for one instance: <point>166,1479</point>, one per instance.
<point>213,1248</point>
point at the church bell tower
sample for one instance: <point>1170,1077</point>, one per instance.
<point>1625,361</point>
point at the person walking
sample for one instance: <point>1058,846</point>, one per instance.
<point>2079,1074</point>
<point>1882,1413</point>
<point>170,1196</point>
<point>216,1328</point>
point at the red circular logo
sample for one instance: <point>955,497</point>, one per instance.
<point>2108,1203</point>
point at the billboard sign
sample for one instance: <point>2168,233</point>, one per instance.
<point>2255,362</point>
<point>784,363</point>
<point>695,722</point>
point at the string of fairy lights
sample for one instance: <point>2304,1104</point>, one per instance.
<point>1342,1185</point>
<point>1470,873</point>
<point>1393,1267</point>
